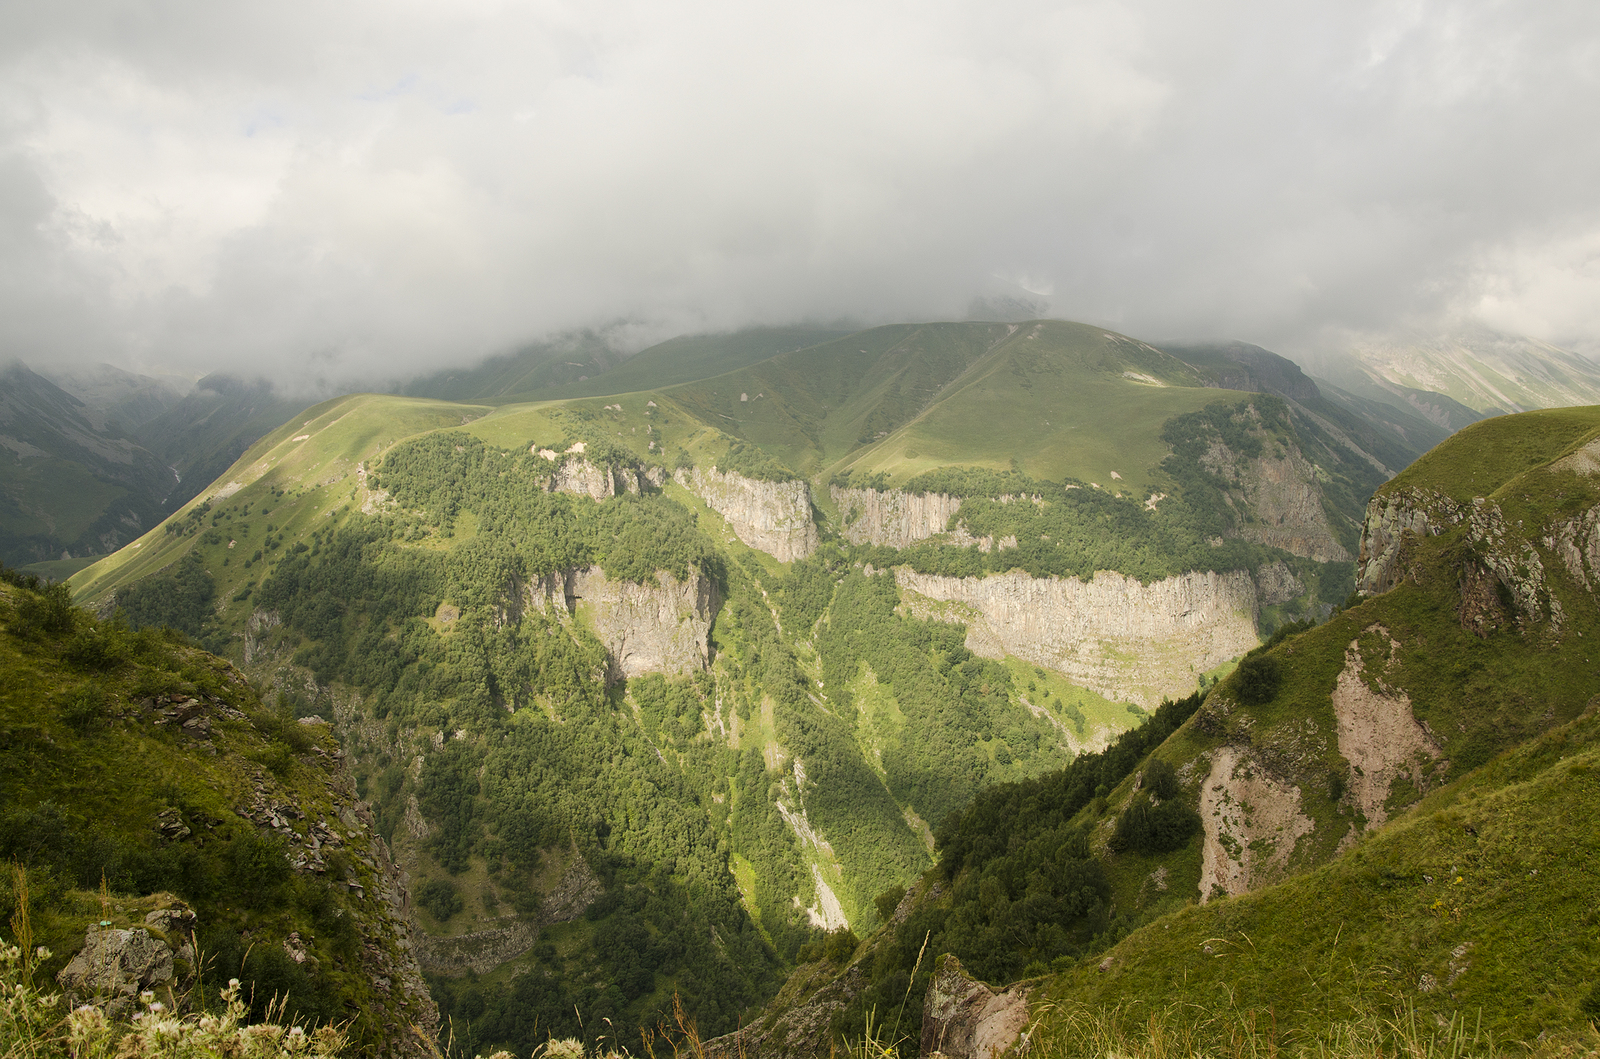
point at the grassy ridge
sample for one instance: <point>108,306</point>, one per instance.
<point>1480,900</point>
<point>1484,457</point>
<point>81,701</point>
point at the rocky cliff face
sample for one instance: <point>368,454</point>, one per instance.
<point>774,517</point>
<point>574,473</point>
<point>377,884</point>
<point>1124,640</point>
<point>1504,577</point>
<point>1277,496</point>
<point>892,518</point>
<point>651,628</point>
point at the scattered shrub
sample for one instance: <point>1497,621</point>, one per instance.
<point>888,901</point>
<point>1161,779</point>
<point>48,611</point>
<point>441,898</point>
<point>1257,679</point>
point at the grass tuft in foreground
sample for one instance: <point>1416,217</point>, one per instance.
<point>1184,1031</point>
<point>37,1025</point>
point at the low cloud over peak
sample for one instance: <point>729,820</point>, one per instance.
<point>372,189</point>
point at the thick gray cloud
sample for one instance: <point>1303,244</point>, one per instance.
<point>337,190</point>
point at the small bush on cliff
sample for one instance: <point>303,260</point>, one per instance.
<point>1258,679</point>
<point>836,946</point>
<point>1161,779</point>
<point>1144,827</point>
<point>441,898</point>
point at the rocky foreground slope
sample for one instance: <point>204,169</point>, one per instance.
<point>135,765</point>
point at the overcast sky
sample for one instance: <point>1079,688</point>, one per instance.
<point>363,187</point>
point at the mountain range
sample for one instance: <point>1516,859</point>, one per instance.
<point>785,655</point>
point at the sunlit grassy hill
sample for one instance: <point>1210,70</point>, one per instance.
<point>1383,817</point>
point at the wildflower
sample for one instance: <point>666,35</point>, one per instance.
<point>146,997</point>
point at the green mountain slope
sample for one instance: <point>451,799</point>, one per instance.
<point>1393,435</point>
<point>1476,906</point>
<point>135,764</point>
<point>588,365</point>
<point>644,712</point>
<point>1382,813</point>
<point>69,480</point>
<point>971,394</point>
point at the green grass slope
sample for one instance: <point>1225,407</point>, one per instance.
<point>298,473</point>
<point>1480,905</point>
<point>130,761</point>
<point>1065,400</point>
<point>1488,458</point>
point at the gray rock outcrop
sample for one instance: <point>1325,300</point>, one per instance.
<point>774,517</point>
<point>890,517</point>
<point>117,963</point>
<point>660,627</point>
<point>962,1018</point>
<point>1276,583</point>
<point>1282,501</point>
<point>1503,578</point>
<point>1389,519</point>
<point>574,473</point>
<point>1122,639</point>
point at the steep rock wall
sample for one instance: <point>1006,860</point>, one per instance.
<point>1125,640</point>
<point>1502,577</point>
<point>890,517</point>
<point>774,517</point>
<point>650,628</point>
<point>574,473</point>
<point>1281,501</point>
<point>1389,518</point>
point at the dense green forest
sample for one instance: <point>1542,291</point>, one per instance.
<point>1025,894</point>
<point>529,753</point>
